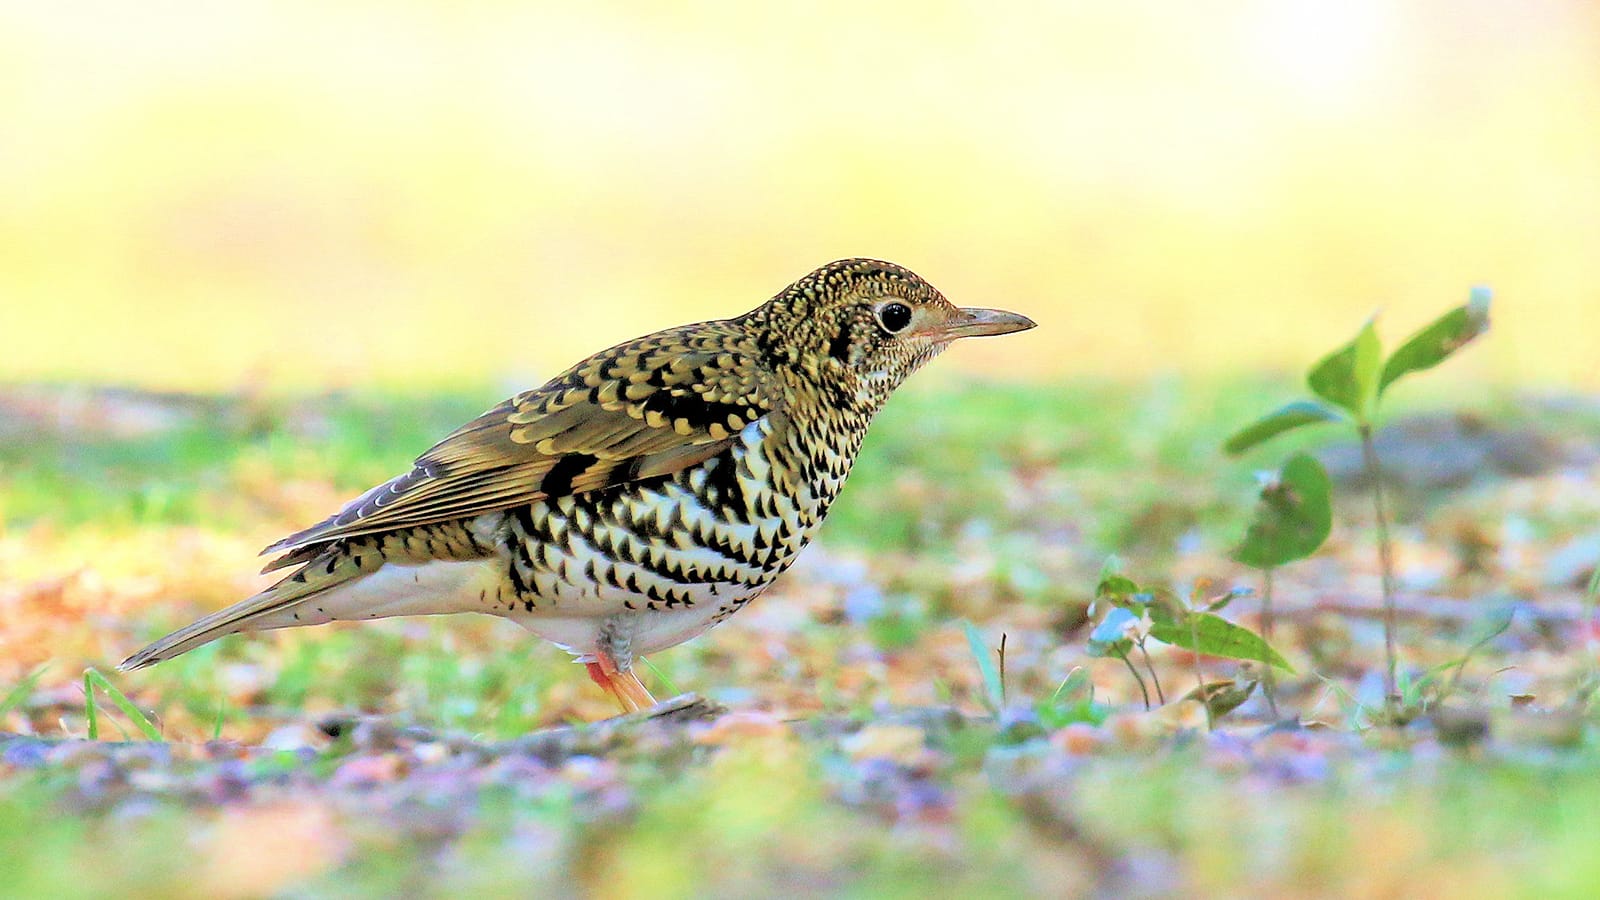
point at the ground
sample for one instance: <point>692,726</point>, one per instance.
<point>844,741</point>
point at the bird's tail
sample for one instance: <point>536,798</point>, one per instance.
<point>340,583</point>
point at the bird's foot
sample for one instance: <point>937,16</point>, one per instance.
<point>624,687</point>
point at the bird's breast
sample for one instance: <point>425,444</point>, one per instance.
<point>714,533</point>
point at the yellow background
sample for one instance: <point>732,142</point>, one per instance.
<point>305,194</point>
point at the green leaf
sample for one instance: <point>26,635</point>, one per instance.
<point>1109,638</point>
<point>1348,377</point>
<point>1161,605</point>
<point>1221,697</point>
<point>1287,418</point>
<point>1293,517</point>
<point>1435,343</point>
<point>1216,636</point>
<point>994,696</point>
<point>1116,588</point>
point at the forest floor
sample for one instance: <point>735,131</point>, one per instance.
<point>843,739</point>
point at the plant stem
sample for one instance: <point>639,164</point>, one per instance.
<point>1129,663</point>
<point>1199,674</point>
<point>1160,694</point>
<point>1269,684</point>
<point>1385,562</point>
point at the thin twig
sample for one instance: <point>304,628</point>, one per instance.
<point>1002,669</point>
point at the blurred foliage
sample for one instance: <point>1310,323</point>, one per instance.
<point>862,758</point>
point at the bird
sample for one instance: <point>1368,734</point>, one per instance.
<point>635,500</point>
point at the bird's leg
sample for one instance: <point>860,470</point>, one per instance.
<point>613,655</point>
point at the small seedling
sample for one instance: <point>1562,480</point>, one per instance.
<point>1420,694</point>
<point>1292,520</point>
<point>1137,614</point>
<point>1115,638</point>
<point>1350,383</point>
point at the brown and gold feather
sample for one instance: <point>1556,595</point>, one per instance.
<point>638,498</point>
<point>643,409</point>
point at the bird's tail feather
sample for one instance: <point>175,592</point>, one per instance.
<point>275,607</point>
<point>401,574</point>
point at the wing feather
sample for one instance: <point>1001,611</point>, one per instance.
<point>643,409</point>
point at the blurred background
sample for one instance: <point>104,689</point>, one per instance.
<point>305,194</point>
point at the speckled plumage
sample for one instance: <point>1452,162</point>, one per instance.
<point>638,498</point>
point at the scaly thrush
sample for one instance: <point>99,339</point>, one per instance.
<point>637,499</point>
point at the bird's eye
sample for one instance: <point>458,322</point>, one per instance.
<point>894,317</point>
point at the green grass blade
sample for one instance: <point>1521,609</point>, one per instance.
<point>93,679</point>
<point>993,690</point>
<point>672,689</point>
<point>1355,713</point>
<point>1075,687</point>
<point>222,714</point>
<point>88,707</point>
<point>24,689</point>
<point>1498,624</point>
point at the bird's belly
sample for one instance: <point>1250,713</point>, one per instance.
<point>596,563</point>
<point>647,590</point>
<point>632,632</point>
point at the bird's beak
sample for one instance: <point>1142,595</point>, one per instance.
<point>982,322</point>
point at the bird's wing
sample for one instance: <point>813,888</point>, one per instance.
<point>642,409</point>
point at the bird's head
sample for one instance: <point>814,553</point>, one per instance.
<point>857,327</point>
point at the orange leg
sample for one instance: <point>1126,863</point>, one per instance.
<point>624,687</point>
